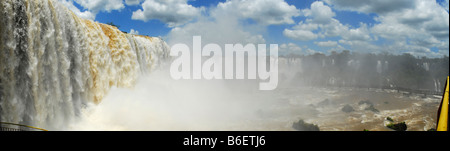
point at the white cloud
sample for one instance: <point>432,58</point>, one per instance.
<point>101,5</point>
<point>410,26</point>
<point>393,31</point>
<point>399,47</point>
<point>221,31</point>
<point>362,46</point>
<point>171,12</point>
<point>306,26</point>
<point>179,12</point>
<point>224,24</point>
<point>86,14</point>
<point>93,7</point>
<point>134,32</point>
<point>319,19</point>
<point>362,33</point>
<point>416,30</point>
<point>321,24</point>
<point>426,18</point>
<point>319,13</point>
<point>263,11</point>
<point>302,35</point>
<point>133,2</point>
<point>310,51</point>
<point>372,6</point>
<point>333,29</point>
<point>290,48</point>
<point>319,16</point>
<point>326,44</point>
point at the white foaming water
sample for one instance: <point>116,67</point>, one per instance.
<point>160,103</point>
<point>436,88</point>
<point>426,66</point>
<point>379,67</point>
<point>386,65</point>
<point>53,63</point>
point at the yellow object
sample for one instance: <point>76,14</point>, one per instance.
<point>443,111</point>
<point>24,126</point>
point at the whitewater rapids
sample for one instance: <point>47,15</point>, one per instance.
<point>53,63</point>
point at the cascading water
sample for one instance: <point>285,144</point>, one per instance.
<point>437,85</point>
<point>53,63</point>
<point>426,66</point>
<point>386,65</point>
<point>379,67</point>
<point>350,63</point>
<point>436,88</point>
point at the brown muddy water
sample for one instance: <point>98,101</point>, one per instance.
<point>323,107</point>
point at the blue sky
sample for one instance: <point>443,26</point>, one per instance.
<point>419,27</point>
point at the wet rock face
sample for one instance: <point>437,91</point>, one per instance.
<point>372,108</point>
<point>365,102</point>
<point>369,106</point>
<point>398,127</point>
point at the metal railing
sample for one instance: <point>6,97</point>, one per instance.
<point>5,126</point>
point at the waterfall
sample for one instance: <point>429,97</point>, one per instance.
<point>436,88</point>
<point>379,67</point>
<point>350,63</point>
<point>426,66</point>
<point>332,81</point>
<point>386,65</point>
<point>437,85</point>
<point>53,63</point>
<point>296,65</point>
